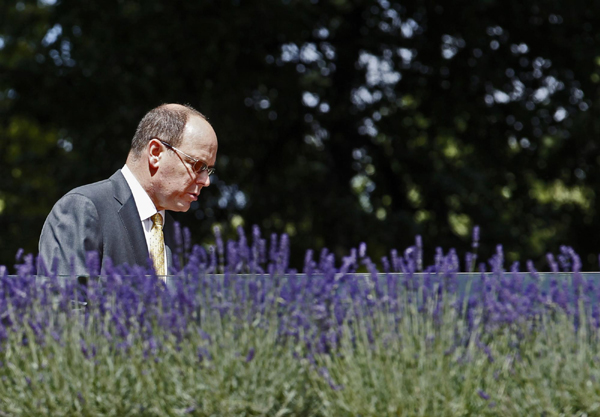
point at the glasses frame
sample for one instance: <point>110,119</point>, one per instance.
<point>202,165</point>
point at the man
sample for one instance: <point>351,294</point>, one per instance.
<point>171,158</point>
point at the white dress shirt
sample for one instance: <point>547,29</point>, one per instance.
<point>144,204</point>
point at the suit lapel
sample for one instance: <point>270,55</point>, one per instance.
<point>130,219</point>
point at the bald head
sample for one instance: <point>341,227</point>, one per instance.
<point>166,122</point>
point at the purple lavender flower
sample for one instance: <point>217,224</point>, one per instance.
<point>564,258</point>
<point>532,271</point>
<point>439,258</point>
<point>308,262</point>
<point>92,261</point>
<point>469,261</point>
<point>410,259</point>
<point>362,250</point>
<point>187,239</point>
<point>499,258</point>
<point>262,246</point>
<point>250,355</point>
<point>242,246</point>
<point>552,263</point>
<point>348,264</point>
<point>212,268</point>
<point>324,372</point>
<point>178,237</point>
<point>486,349</point>
<point>475,238</point>
<point>576,266</point>
<point>284,253</point>
<point>232,256</point>
<point>84,349</point>
<point>255,249</point>
<point>385,263</point>
<point>37,331</point>
<point>273,248</point>
<point>483,394</point>
<point>323,259</point>
<point>255,234</point>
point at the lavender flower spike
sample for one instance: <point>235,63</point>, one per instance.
<point>419,254</point>
<point>475,237</point>
<point>187,239</point>
<point>362,250</point>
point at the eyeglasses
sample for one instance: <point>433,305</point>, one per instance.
<point>197,165</point>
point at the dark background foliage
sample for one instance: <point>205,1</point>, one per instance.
<point>339,121</point>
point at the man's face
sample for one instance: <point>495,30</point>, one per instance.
<point>175,184</point>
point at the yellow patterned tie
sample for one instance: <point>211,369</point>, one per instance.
<point>157,245</point>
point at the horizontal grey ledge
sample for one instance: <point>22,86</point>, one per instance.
<point>461,283</point>
<point>463,280</point>
<point>471,275</point>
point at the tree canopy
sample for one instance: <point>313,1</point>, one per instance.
<point>339,121</point>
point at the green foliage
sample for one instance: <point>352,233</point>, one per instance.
<point>330,115</point>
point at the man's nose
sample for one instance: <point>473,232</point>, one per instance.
<point>203,178</point>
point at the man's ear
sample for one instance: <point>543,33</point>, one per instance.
<point>154,152</point>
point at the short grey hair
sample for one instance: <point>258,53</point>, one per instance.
<point>165,122</point>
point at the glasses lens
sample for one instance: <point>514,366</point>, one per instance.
<point>200,167</point>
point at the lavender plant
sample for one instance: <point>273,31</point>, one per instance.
<point>237,332</point>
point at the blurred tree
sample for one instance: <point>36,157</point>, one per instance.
<point>339,122</point>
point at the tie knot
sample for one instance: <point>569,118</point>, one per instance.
<point>157,220</point>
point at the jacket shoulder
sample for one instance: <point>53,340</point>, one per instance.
<point>92,190</point>
<point>102,190</point>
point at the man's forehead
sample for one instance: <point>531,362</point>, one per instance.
<point>197,128</point>
<point>200,140</point>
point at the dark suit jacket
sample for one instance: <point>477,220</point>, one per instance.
<point>98,217</point>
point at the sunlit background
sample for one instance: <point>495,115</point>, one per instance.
<point>339,121</point>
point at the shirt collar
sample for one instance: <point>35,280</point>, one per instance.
<point>144,204</point>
